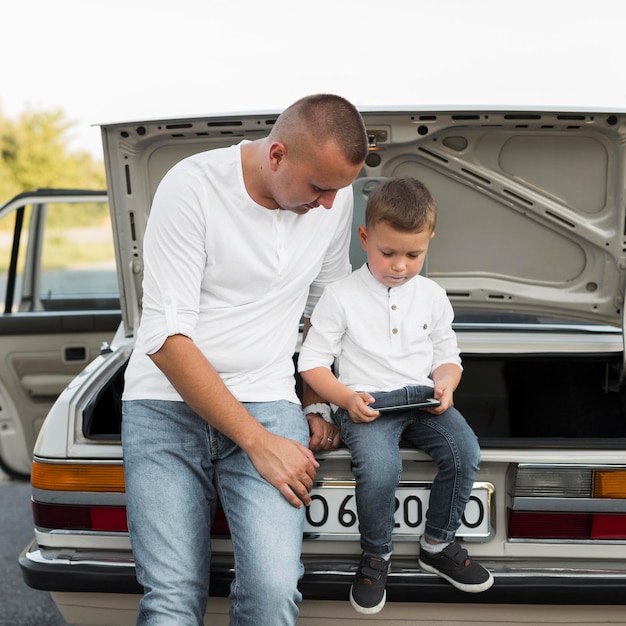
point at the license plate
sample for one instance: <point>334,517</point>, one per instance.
<point>332,512</point>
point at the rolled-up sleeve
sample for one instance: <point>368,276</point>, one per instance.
<point>443,337</point>
<point>174,261</point>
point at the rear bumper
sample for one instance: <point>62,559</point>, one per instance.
<point>330,579</point>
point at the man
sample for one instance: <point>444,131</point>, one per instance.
<point>239,243</point>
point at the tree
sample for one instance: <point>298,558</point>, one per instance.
<point>34,153</point>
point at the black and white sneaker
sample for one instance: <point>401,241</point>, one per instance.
<point>368,594</point>
<point>456,566</point>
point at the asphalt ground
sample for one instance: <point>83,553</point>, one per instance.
<point>19,604</point>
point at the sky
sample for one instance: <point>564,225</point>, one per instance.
<point>104,61</point>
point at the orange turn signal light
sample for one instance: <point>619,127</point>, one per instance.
<point>609,484</point>
<point>78,477</point>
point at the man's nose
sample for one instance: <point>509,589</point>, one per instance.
<point>327,198</point>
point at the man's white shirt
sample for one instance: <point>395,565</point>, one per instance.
<point>233,276</point>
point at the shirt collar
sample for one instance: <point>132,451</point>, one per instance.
<point>377,286</point>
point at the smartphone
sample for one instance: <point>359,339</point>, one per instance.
<point>414,405</point>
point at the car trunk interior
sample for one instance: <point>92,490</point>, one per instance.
<point>509,401</point>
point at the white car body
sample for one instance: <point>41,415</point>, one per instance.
<point>531,248</point>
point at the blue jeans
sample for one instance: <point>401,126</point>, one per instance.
<point>377,465</point>
<point>176,466</point>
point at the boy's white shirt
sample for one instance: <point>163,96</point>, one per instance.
<point>381,338</point>
<point>233,276</point>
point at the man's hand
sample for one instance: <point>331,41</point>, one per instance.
<point>324,436</point>
<point>287,465</point>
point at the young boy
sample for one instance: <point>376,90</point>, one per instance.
<point>388,332</point>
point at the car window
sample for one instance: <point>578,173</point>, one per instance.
<point>74,267</point>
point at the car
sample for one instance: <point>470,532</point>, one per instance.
<point>60,306</point>
<point>530,247</point>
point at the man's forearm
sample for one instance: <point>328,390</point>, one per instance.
<point>284,463</point>
<point>201,387</point>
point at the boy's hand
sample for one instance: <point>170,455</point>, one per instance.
<point>359,410</point>
<point>446,378</point>
<point>444,395</point>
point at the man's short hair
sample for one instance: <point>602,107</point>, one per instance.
<point>322,118</point>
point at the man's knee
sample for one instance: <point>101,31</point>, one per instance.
<point>271,598</point>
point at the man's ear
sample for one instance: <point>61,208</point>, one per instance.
<point>278,151</point>
<point>362,231</point>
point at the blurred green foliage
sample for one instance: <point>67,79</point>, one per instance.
<point>35,153</point>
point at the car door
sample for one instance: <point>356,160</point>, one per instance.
<point>60,303</point>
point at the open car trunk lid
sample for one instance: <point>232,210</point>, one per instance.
<point>531,202</point>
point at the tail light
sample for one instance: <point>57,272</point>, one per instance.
<point>579,526</point>
<point>71,517</point>
<point>568,503</point>
<point>85,478</point>
<point>78,477</point>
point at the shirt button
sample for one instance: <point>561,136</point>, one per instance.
<point>393,307</point>
<point>394,331</point>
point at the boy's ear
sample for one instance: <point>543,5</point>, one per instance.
<point>432,235</point>
<point>362,231</point>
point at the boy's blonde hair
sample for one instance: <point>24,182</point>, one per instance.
<point>403,203</point>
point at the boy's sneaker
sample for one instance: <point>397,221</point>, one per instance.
<point>456,566</point>
<point>368,594</point>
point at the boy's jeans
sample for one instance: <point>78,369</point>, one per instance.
<point>175,465</point>
<point>377,466</point>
